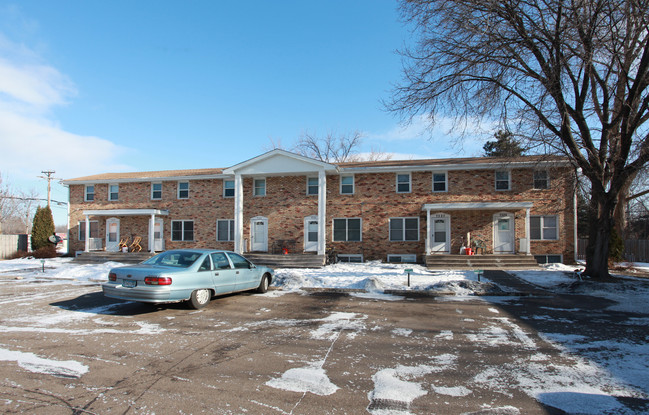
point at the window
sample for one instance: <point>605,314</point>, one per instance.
<point>439,182</point>
<point>354,258</point>
<point>220,261</point>
<point>347,230</point>
<point>312,186</point>
<point>228,188</point>
<point>183,190</point>
<point>182,230</point>
<point>225,230</point>
<point>548,259</point>
<point>404,229</point>
<point>156,191</point>
<point>541,179</point>
<point>94,230</point>
<point>403,183</point>
<point>206,265</point>
<point>90,193</point>
<point>502,180</point>
<point>113,192</point>
<point>543,228</point>
<point>410,258</point>
<point>238,261</point>
<point>259,187</point>
<point>346,185</point>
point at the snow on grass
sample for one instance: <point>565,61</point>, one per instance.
<point>33,363</point>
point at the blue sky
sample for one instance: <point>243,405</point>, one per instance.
<point>103,86</point>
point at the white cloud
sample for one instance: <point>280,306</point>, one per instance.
<point>446,138</point>
<point>30,138</point>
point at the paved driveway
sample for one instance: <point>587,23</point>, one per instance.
<point>67,350</point>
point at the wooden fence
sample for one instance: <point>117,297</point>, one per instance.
<point>635,250</point>
<point>10,244</point>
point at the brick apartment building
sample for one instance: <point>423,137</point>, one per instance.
<point>384,210</point>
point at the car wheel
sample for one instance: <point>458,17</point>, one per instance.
<point>200,298</point>
<point>263,284</point>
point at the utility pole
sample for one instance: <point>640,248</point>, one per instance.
<point>48,175</point>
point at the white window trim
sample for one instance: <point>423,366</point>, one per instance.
<point>254,186</point>
<point>178,190</point>
<point>85,193</point>
<point>541,227</point>
<point>347,229</point>
<point>396,179</point>
<point>509,180</point>
<point>87,232</point>
<point>153,184</point>
<point>351,256</point>
<point>445,173</point>
<point>233,188</point>
<point>403,219</point>
<point>171,229</point>
<point>230,229</point>
<point>413,258</point>
<point>110,199</point>
<point>547,173</point>
<point>353,184</point>
<point>317,186</point>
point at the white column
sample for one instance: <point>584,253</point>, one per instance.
<point>238,214</point>
<point>152,234</point>
<point>87,247</point>
<point>322,212</point>
<point>427,231</point>
<point>527,230</point>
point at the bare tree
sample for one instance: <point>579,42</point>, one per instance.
<point>16,208</point>
<point>572,75</point>
<point>330,148</point>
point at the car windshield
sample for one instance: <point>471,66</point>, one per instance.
<point>178,259</point>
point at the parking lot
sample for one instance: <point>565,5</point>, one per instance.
<point>65,349</point>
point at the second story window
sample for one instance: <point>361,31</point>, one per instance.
<point>403,183</point>
<point>259,187</point>
<point>439,182</point>
<point>183,190</point>
<point>113,192</point>
<point>503,180</point>
<point>156,191</point>
<point>312,186</point>
<point>228,188</point>
<point>541,179</point>
<point>346,185</point>
<point>90,193</point>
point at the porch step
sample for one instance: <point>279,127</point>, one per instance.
<point>287,261</point>
<point>99,257</point>
<point>469,262</point>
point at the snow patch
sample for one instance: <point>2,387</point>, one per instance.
<point>33,363</point>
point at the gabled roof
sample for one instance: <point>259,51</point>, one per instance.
<point>279,162</point>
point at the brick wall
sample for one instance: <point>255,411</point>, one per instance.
<point>375,201</point>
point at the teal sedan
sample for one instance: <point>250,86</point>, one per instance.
<point>192,275</point>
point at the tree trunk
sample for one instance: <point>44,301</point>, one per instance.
<point>599,235</point>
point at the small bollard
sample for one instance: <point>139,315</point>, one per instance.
<point>43,264</point>
<point>408,270</point>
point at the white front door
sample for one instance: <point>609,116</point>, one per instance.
<point>311,233</point>
<point>440,237</point>
<point>112,234</point>
<point>259,234</point>
<point>504,233</point>
<point>158,236</point>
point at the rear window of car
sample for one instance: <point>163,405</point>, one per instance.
<point>182,259</point>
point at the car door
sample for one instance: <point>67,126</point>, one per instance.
<point>246,275</point>
<point>224,275</point>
